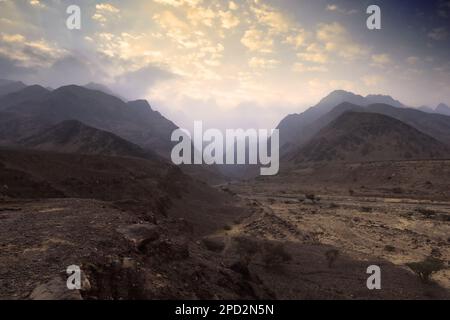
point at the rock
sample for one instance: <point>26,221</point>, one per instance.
<point>140,234</point>
<point>216,244</point>
<point>55,289</point>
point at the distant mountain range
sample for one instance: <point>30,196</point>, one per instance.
<point>7,86</point>
<point>72,136</point>
<point>298,129</point>
<point>342,127</point>
<point>362,136</point>
<point>40,109</point>
<point>441,108</point>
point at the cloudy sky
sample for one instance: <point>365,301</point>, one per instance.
<point>243,63</point>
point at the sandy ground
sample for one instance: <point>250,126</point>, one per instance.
<point>397,230</point>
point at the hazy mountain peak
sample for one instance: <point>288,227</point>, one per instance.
<point>4,82</point>
<point>140,104</point>
<point>426,109</point>
<point>102,88</point>
<point>384,99</point>
<point>361,136</point>
<point>8,86</point>
<point>442,108</point>
<point>339,96</point>
<point>34,89</point>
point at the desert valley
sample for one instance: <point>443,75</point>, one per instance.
<point>86,179</point>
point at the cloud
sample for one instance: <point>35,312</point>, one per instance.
<point>372,80</point>
<point>412,60</point>
<point>11,69</point>
<point>263,63</point>
<point>106,7</point>
<point>276,21</point>
<point>229,20</point>
<point>314,53</point>
<point>37,3</point>
<point>336,8</point>
<point>301,68</point>
<point>135,84</point>
<point>29,53</point>
<point>105,11</point>
<point>381,60</point>
<point>336,39</point>
<point>179,3</point>
<point>232,5</point>
<point>256,40</point>
<point>444,8</point>
<point>438,34</point>
<point>297,39</point>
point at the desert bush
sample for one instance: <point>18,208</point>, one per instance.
<point>424,269</point>
<point>215,244</point>
<point>247,248</point>
<point>366,209</point>
<point>389,248</point>
<point>275,254</point>
<point>351,192</point>
<point>435,252</point>
<point>426,212</point>
<point>331,256</point>
<point>397,190</point>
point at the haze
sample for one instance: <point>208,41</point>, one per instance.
<point>231,64</point>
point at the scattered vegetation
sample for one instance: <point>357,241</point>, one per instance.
<point>247,248</point>
<point>389,248</point>
<point>397,190</point>
<point>331,256</point>
<point>425,269</point>
<point>214,244</point>
<point>426,212</point>
<point>334,205</point>
<point>275,254</point>
<point>312,197</point>
<point>366,209</point>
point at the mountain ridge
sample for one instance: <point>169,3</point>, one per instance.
<point>365,136</point>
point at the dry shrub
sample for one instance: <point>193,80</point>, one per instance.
<point>425,269</point>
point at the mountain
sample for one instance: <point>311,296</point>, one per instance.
<point>426,109</point>
<point>8,86</point>
<point>72,136</point>
<point>23,96</point>
<point>100,87</point>
<point>383,99</point>
<point>443,109</point>
<point>295,130</point>
<point>432,124</point>
<point>361,136</point>
<point>134,121</point>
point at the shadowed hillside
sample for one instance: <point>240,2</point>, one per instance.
<point>358,136</point>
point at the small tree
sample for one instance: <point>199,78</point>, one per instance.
<point>424,269</point>
<point>331,256</point>
<point>275,254</point>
